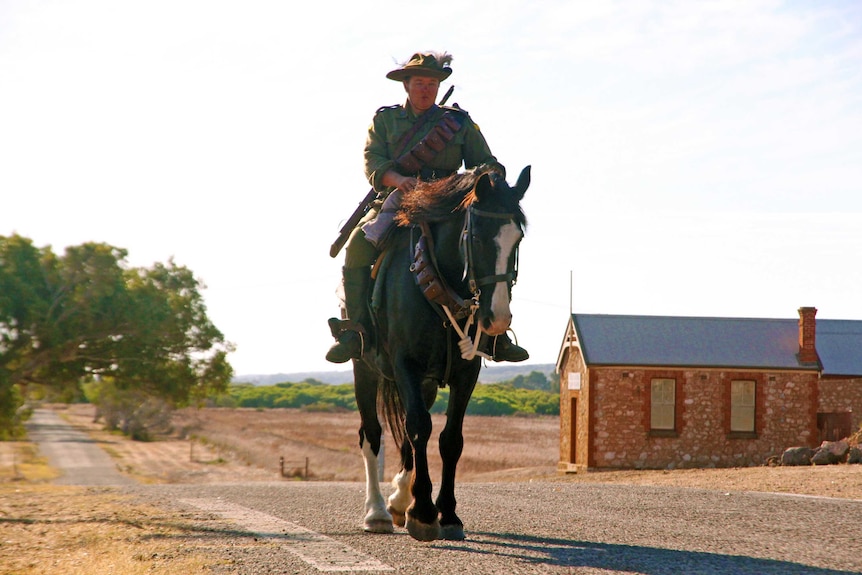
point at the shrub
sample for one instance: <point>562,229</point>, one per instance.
<point>132,412</point>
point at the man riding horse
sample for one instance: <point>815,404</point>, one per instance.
<point>418,140</point>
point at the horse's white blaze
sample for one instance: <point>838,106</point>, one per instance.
<point>506,240</point>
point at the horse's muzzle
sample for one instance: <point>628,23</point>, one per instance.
<point>498,325</point>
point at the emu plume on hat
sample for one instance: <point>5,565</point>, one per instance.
<point>433,64</point>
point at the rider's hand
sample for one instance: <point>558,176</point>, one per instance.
<point>396,180</point>
<point>406,184</point>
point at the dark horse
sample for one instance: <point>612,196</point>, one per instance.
<point>470,225</point>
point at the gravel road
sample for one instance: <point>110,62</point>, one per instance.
<point>542,527</point>
<point>72,452</point>
<point>512,528</point>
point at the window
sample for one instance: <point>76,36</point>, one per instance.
<point>663,404</point>
<point>742,406</point>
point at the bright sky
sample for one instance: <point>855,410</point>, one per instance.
<point>689,158</point>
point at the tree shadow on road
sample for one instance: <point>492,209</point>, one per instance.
<point>629,558</point>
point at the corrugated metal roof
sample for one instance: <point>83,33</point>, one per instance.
<point>715,342</point>
<point>839,345</point>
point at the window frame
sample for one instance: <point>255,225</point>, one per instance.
<point>743,405</point>
<point>756,408</point>
<point>678,405</point>
<point>667,384</point>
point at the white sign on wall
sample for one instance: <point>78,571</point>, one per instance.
<point>574,380</point>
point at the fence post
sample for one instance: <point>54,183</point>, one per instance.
<point>281,465</point>
<point>306,469</point>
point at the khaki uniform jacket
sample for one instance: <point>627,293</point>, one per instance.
<point>468,147</point>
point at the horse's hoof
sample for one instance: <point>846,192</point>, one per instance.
<point>398,517</point>
<point>379,526</point>
<point>423,531</point>
<point>452,532</point>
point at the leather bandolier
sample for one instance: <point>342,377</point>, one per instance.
<point>414,163</point>
<point>435,141</point>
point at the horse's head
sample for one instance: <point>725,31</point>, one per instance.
<point>494,226</point>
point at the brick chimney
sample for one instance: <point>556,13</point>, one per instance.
<point>807,331</point>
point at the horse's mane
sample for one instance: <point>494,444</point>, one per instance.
<point>438,199</point>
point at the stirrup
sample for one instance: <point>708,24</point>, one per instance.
<point>338,326</point>
<point>509,351</point>
<point>349,336</point>
<point>345,348</point>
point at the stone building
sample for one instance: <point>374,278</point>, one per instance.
<point>655,392</point>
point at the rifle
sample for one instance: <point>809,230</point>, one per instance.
<point>351,222</point>
<point>365,205</point>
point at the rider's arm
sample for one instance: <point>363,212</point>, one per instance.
<point>379,165</point>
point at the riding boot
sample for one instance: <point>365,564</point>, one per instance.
<point>351,333</point>
<point>503,349</point>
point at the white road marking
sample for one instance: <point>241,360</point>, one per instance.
<point>317,550</point>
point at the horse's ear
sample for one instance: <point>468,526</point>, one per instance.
<point>523,183</point>
<point>484,186</point>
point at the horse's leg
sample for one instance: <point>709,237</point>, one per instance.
<point>377,519</point>
<point>451,446</point>
<point>401,497</point>
<point>422,516</point>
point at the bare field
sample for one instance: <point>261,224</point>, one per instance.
<point>246,444</point>
<point>217,444</point>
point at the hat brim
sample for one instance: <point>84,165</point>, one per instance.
<point>402,74</point>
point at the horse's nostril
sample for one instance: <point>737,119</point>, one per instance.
<point>496,326</point>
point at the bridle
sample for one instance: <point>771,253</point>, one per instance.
<point>451,306</point>
<point>475,285</point>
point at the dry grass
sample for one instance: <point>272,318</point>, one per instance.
<point>19,461</point>
<point>71,530</point>
<point>75,530</point>
<point>330,441</point>
<point>172,459</point>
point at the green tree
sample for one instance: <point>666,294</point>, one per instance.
<point>533,380</point>
<point>88,316</point>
